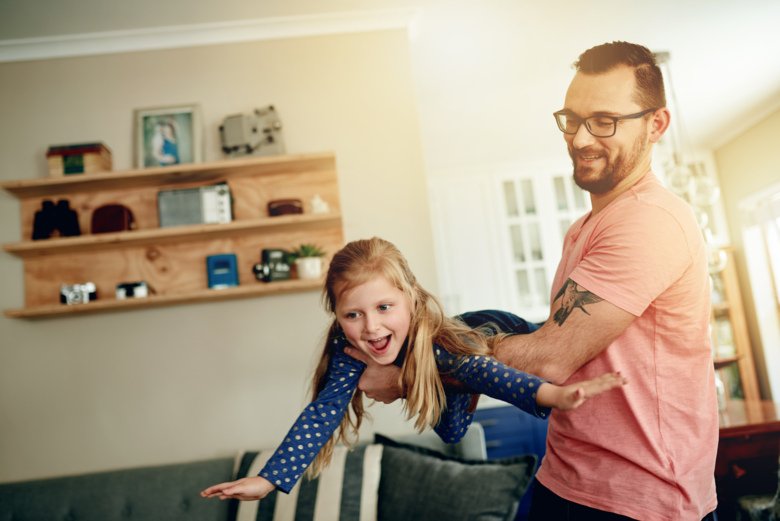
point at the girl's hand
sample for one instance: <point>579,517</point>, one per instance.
<point>245,489</point>
<point>571,396</point>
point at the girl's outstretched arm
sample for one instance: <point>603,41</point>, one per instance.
<point>567,397</point>
<point>313,428</point>
<point>529,393</point>
<point>316,424</point>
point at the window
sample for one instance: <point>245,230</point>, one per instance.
<point>763,218</point>
<point>761,244</point>
<point>498,233</point>
<point>770,231</point>
<point>538,209</point>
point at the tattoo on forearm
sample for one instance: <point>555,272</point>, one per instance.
<point>572,297</point>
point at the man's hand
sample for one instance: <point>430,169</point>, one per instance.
<point>378,382</point>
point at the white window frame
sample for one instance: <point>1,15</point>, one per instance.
<point>472,241</point>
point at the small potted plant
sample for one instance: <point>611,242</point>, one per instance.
<point>308,261</point>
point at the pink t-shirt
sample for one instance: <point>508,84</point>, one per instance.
<point>646,451</point>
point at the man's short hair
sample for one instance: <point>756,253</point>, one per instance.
<point>649,80</point>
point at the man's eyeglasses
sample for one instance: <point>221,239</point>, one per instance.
<point>598,126</point>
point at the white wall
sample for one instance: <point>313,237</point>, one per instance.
<point>172,384</point>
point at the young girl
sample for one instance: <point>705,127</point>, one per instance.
<point>381,310</point>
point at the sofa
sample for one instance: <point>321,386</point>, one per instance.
<point>406,479</point>
<point>761,507</point>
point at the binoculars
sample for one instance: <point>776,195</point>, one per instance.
<point>53,218</point>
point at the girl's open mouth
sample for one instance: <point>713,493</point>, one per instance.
<point>379,345</point>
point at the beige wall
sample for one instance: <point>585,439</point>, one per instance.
<point>172,384</point>
<point>747,165</point>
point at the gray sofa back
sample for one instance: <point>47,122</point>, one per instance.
<point>169,492</point>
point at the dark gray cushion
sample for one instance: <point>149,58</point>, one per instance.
<point>169,492</point>
<point>422,484</point>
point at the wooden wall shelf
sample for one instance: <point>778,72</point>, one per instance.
<point>207,295</point>
<point>166,235</point>
<point>172,260</point>
<point>203,173</point>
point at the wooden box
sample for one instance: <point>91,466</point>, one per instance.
<point>81,158</point>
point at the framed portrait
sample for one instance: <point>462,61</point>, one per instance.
<point>166,136</point>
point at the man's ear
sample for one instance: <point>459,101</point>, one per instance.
<point>658,124</point>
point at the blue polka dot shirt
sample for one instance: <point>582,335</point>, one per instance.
<point>480,374</point>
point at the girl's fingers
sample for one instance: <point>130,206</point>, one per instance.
<point>211,491</point>
<point>217,489</point>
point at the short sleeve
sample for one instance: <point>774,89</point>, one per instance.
<point>634,258</point>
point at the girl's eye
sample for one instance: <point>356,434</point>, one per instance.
<point>351,315</point>
<point>385,307</point>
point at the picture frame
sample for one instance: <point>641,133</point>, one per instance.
<point>166,136</point>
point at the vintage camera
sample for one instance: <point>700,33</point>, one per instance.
<point>78,293</point>
<point>125,290</point>
<point>274,265</point>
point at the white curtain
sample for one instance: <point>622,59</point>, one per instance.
<point>765,215</point>
<point>761,238</point>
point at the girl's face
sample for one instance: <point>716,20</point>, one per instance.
<point>375,317</point>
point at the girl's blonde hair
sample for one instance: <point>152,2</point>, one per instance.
<point>359,262</point>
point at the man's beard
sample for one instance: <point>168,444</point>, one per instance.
<point>613,173</point>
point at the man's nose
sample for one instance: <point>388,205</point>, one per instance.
<point>582,138</point>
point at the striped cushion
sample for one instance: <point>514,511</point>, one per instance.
<point>345,491</point>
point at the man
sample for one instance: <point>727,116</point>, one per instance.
<point>632,296</point>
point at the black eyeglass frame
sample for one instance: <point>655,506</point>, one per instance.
<point>614,119</point>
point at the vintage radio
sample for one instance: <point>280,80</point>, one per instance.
<point>201,205</point>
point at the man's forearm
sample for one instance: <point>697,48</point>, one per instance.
<point>581,326</point>
<point>533,353</point>
<point>557,350</point>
